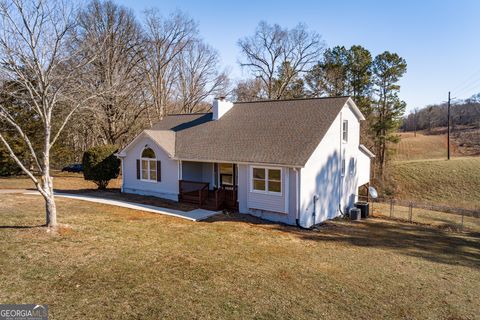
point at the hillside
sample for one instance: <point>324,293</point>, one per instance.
<point>420,171</point>
<point>454,183</point>
<point>421,147</point>
<point>465,141</point>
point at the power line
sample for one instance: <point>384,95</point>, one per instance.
<point>465,81</point>
<point>467,88</point>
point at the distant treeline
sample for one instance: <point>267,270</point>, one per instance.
<point>466,112</point>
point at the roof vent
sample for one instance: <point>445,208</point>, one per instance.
<point>220,107</point>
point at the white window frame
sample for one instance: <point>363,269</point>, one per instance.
<point>353,168</point>
<point>345,131</point>
<point>266,181</point>
<point>149,162</point>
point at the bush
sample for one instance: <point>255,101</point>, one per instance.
<point>8,167</point>
<point>100,165</point>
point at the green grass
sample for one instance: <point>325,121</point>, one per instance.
<point>114,263</point>
<point>455,183</point>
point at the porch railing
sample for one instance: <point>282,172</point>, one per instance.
<point>193,191</point>
<point>219,197</point>
<point>198,193</point>
<point>230,199</point>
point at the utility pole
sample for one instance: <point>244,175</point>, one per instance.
<point>448,128</point>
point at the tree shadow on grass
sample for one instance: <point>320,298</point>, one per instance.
<point>421,241</point>
<point>23,227</point>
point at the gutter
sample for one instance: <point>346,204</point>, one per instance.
<point>241,162</point>
<point>340,184</point>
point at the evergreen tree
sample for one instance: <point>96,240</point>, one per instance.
<point>388,68</point>
<point>329,76</point>
<point>359,77</point>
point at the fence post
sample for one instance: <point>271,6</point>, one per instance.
<point>391,207</point>
<point>410,212</point>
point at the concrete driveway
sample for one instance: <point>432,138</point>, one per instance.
<point>193,215</point>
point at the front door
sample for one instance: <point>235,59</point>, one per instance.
<point>227,178</point>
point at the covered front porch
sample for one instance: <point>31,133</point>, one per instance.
<point>209,185</point>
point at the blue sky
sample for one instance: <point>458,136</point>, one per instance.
<point>439,39</point>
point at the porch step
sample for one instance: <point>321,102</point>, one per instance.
<point>210,204</point>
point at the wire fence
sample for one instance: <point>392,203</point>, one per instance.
<point>461,219</point>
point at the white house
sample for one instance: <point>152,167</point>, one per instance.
<point>292,161</point>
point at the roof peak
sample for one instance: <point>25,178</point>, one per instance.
<point>293,99</point>
<point>188,114</point>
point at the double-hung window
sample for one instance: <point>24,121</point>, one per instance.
<point>148,165</point>
<point>345,131</point>
<point>267,180</point>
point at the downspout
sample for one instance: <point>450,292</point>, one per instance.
<point>297,199</point>
<point>340,185</point>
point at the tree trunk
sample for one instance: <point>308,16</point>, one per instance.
<point>51,211</point>
<point>51,208</point>
<point>47,182</point>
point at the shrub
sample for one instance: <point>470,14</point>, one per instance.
<point>8,167</point>
<point>100,165</point>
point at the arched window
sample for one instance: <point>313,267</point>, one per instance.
<point>148,153</point>
<point>148,165</point>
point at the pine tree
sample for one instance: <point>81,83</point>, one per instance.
<point>388,68</point>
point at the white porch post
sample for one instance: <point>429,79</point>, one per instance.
<point>123,174</point>
<point>180,173</point>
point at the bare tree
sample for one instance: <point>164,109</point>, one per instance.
<point>272,47</point>
<point>166,38</point>
<point>248,90</point>
<point>112,34</point>
<point>198,76</point>
<point>50,81</point>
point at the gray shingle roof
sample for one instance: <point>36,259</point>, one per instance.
<point>164,138</point>
<point>284,132</point>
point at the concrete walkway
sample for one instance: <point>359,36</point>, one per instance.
<point>193,215</point>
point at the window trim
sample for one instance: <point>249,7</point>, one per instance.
<point>353,163</point>
<point>345,131</point>
<point>149,162</point>
<point>273,193</point>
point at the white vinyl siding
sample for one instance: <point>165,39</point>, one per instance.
<point>167,188</point>
<point>322,174</point>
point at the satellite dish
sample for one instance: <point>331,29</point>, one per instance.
<point>372,192</point>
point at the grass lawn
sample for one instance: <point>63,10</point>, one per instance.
<point>110,262</point>
<point>61,181</point>
<point>437,219</point>
<point>421,147</point>
<point>455,182</point>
